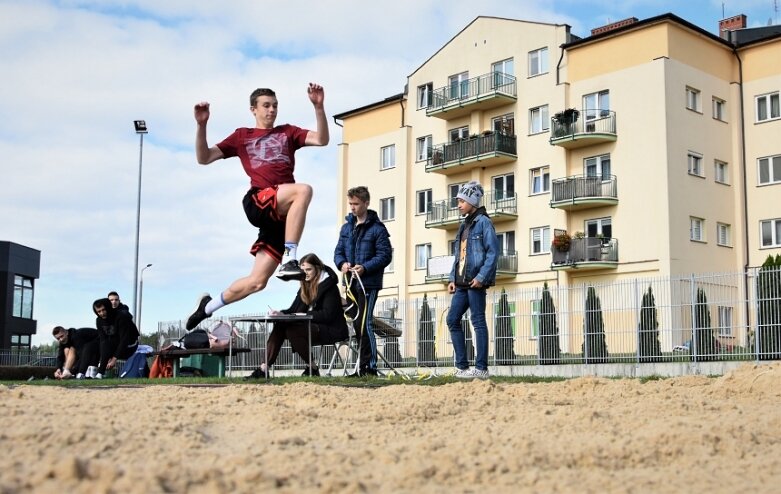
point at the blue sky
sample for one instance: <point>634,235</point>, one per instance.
<point>76,73</point>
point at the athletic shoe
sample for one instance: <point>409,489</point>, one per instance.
<point>98,375</point>
<point>291,271</point>
<point>91,371</point>
<point>464,374</point>
<point>200,312</point>
<point>311,372</point>
<point>365,372</point>
<point>79,376</point>
<point>480,374</point>
<point>258,373</point>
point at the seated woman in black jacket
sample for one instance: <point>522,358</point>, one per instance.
<point>319,296</point>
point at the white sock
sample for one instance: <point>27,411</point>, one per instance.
<point>290,252</point>
<point>214,304</point>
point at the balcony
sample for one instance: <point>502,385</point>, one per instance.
<point>579,192</point>
<point>438,268</point>
<point>570,131</point>
<point>489,149</point>
<point>480,93</point>
<point>587,253</point>
<point>500,206</point>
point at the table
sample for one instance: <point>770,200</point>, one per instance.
<point>272,318</point>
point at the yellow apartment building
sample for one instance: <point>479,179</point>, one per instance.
<point>652,147</point>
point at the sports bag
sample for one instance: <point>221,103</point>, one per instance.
<point>195,339</point>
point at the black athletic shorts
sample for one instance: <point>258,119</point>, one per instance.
<point>260,206</point>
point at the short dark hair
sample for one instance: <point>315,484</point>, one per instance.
<point>261,91</point>
<point>57,330</point>
<point>361,192</point>
<point>113,293</point>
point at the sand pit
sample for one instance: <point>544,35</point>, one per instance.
<point>686,434</point>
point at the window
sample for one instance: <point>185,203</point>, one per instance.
<point>423,201</point>
<point>452,192</point>
<point>696,230</point>
<point>721,172</point>
<point>723,234</point>
<point>538,120</point>
<point>504,188</point>
<point>693,99</point>
<point>600,226</point>
<point>389,267</point>
<point>540,240</point>
<point>506,242</point>
<point>459,85</point>
<point>20,341</point>
<point>719,109</point>
<point>768,107</point>
<point>535,313</point>
<point>597,166</point>
<point>769,170</point>
<point>596,105</point>
<point>459,133</point>
<point>424,95</point>
<point>540,180</point>
<point>725,320</point>
<point>504,125</point>
<point>771,232</point>
<point>695,164</point>
<point>501,70</point>
<point>538,62</point>
<point>423,148</point>
<point>387,208</point>
<point>23,297</point>
<point>422,255</point>
<point>388,157</point>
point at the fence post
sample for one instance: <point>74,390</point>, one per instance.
<point>693,341</point>
<point>637,323</point>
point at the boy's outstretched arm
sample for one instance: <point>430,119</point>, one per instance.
<point>203,153</point>
<point>321,136</point>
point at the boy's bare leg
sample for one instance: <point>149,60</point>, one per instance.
<point>292,203</point>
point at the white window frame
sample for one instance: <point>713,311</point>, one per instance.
<point>600,164</point>
<point>459,85</point>
<point>596,105</point>
<point>599,226</point>
<point>387,209</point>
<point>693,99</point>
<point>770,230</point>
<point>422,255</point>
<point>423,148</point>
<point>388,157</point>
<point>696,229</point>
<point>769,163</point>
<point>427,197</point>
<point>719,109</point>
<point>535,312</point>
<point>770,104</point>
<point>503,187</point>
<point>721,172</point>
<point>724,320</point>
<point>425,93</point>
<point>538,62</point>
<point>539,176</point>
<point>505,67</point>
<point>506,242</point>
<point>539,120</point>
<point>504,124</point>
<point>452,192</point>
<point>723,235</point>
<point>694,164</point>
<point>539,240</point>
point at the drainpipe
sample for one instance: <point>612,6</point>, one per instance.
<point>742,117</point>
<point>558,64</point>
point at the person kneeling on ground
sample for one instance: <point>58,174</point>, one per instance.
<point>78,352</point>
<point>118,335</point>
<point>318,296</point>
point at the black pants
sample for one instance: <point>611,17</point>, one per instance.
<point>87,356</point>
<point>108,349</point>
<point>364,327</point>
<point>297,333</point>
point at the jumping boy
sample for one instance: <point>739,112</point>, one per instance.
<point>275,204</point>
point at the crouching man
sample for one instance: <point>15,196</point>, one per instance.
<point>78,354</point>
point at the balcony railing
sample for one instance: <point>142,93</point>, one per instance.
<point>587,253</point>
<point>479,93</point>
<point>499,204</point>
<point>438,267</point>
<point>576,129</point>
<point>491,148</point>
<point>579,192</point>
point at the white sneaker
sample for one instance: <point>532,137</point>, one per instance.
<point>79,376</point>
<point>480,374</point>
<point>463,374</point>
<point>98,375</point>
<point>91,371</point>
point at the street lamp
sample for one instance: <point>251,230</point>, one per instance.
<point>141,297</point>
<point>140,130</point>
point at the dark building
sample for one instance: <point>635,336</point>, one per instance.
<point>20,266</point>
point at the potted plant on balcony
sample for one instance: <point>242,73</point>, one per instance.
<point>562,241</point>
<point>565,122</point>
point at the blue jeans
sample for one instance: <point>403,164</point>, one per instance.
<point>474,300</point>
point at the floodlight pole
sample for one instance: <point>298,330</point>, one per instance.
<point>141,129</point>
<point>141,297</point>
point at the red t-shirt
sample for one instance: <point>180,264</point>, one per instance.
<point>267,155</point>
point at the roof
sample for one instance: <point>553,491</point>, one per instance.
<point>370,106</point>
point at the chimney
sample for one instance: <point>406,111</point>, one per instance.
<point>731,24</point>
<point>612,26</point>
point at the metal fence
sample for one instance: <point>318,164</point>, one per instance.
<point>695,318</point>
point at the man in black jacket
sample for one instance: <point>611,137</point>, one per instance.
<point>78,351</point>
<point>118,334</point>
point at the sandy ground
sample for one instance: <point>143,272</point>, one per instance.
<point>686,434</point>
